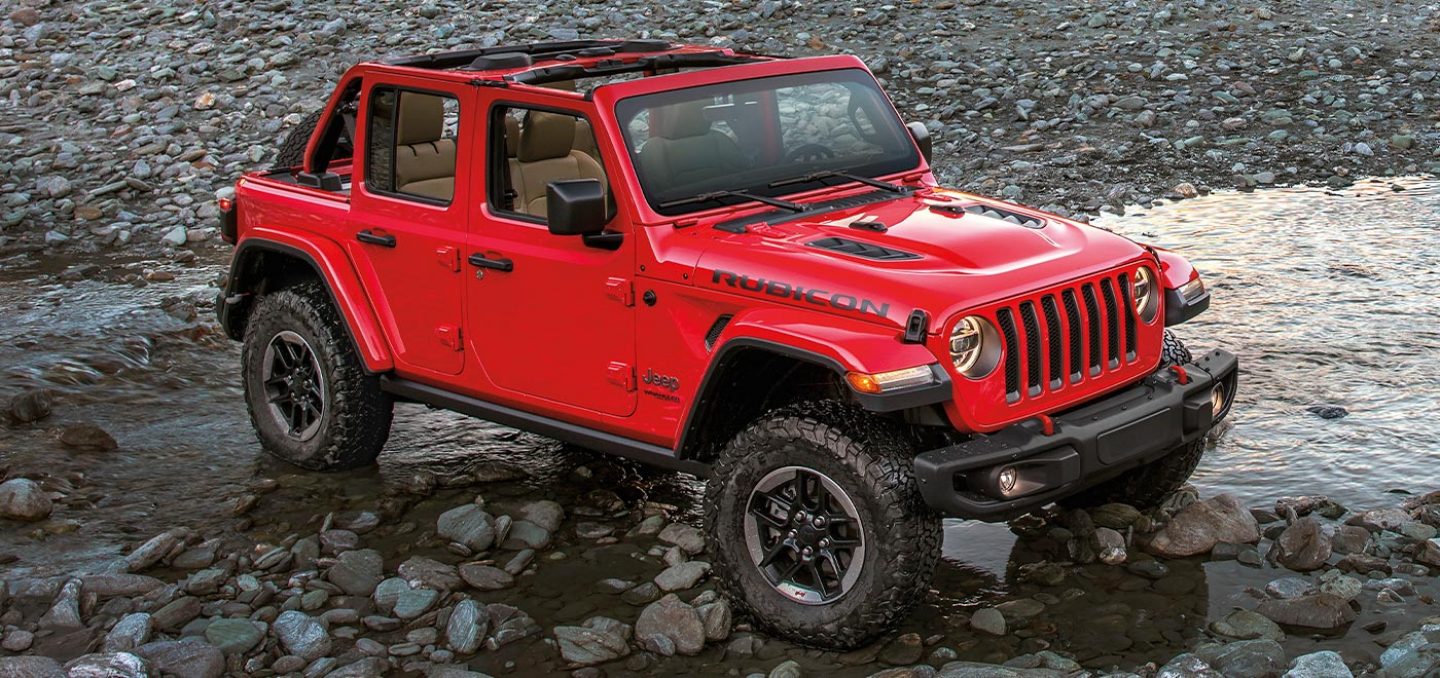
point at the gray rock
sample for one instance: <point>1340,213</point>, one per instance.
<point>690,539</point>
<point>545,513</point>
<point>132,631</point>
<point>1187,665</point>
<point>600,640</point>
<point>1245,659</point>
<point>388,592</point>
<point>486,577</point>
<point>1289,587</point>
<point>1323,664</point>
<point>1317,610</point>
<point>526,535</point>
<point>357,572</point>
<point>1247,625</point>
<point>467,626</point>
<point>1198,527</point>
<point>717,618</point>
<point>175,614</point>
<point>302,635</point>
<point>421,571</point>
<point>106,665</point>
<point>674,619</point>
<point>64,612</point>
<point>1429,552</point>
<point>369,667</point>
<point>186,657</point>
<point>1350,539</point>
<point>152,551</point>
<point>30,667</point>
<point>22,499</point>
<point>234,636</point>
<point>786,669</point>
<point>988,620</point>
<point>682,576</point>
<point>468,525</point>
<point>17,640</point>
<point>1303,546</point>
<point>415,602</point>
<point>111,584</point>
<point>1110,546</point>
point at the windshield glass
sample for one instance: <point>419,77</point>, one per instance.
<point>746,135</point>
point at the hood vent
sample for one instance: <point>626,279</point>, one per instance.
<point>1004,215</point>
<point>863,250</point>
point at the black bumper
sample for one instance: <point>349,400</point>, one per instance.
<point>1089,444</point>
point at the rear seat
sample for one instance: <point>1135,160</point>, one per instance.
<point>424,157</point>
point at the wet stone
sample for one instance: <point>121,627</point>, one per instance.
<point>1200,526</point>
<point>302,635</point>
<point>468,525</point>
<point>87,437</point>
<point>30,406</point>
<point>690,539</point>
<point>988,620</point>
<point>1247,625</point>
<point>642,594</point>
<point>150,553</point>
<point>132,631</point>
<point>526,535</point>
<point>599,640</point>
<point>186,657</point>
<point>485,577</point>
<point>545,514</point>
<point>1245,659</point>
<point>717,619</point>
<point>467,626</point>
<point>415,602</point>
<point>421,571</point>
<point>111,584</point>
<point>682,576</point>
<point>675,620</point>
<point>1317,610</point>
<point>233,636</point>
<point>23,499</point>
<point>107,665</point>
<point>177,613</point>
<point>31,667</point>
<point>1303,546</point>
<point>1323,664</point>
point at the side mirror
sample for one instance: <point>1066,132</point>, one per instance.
<point>921,134</point>
<point>575,207</point>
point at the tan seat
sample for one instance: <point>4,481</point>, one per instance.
<point>584,137</point>
<point>544,155</point>
<point>424,158</point>
<point>683,149</point>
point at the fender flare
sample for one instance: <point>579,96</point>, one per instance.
<point>1175,272</point>
<point>841,345</point>
<point>331,265</point>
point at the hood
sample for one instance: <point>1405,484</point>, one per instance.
<point>939,251</point>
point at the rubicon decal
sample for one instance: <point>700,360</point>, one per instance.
<point>809,295</point>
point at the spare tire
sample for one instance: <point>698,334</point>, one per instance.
<point>292,149</point>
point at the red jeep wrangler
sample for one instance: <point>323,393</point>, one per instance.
<point>733,265</point>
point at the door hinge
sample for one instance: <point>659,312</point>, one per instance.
<point>449,336</point>
<point>622,375</point>
<point>449,257</point>
<point>621,290</point>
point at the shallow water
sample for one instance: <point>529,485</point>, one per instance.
<point>1325,295</point>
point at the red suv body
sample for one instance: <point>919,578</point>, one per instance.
<point>654,310</point>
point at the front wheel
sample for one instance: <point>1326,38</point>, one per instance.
<point>311,402</point>
<point>817,525</point>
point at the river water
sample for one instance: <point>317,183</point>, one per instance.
<point>1328,296</point>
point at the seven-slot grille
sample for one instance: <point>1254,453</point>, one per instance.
<point>1067,335</point>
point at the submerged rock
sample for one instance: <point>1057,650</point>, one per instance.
<point>23,499</point>
<point>1315,611</point>
<point>30,406</point>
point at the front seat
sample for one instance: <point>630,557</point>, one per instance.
<point>683,149</point>
<point>424,158</point>
<point>544,156</point>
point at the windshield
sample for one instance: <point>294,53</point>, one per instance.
<point>745,136</point>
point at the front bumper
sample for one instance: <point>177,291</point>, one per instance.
<point>1088,445</point>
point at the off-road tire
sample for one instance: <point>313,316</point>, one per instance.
<point>355,421</point>
<point>292,149</point>
<point>868,457</point>
<point>1148,485</point>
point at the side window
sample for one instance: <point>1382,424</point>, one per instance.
<point>540,146</point>
<point>411,144</point>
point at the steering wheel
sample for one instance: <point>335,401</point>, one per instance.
<point>810,152</point>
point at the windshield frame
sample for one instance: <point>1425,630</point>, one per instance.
<point>909,158</point>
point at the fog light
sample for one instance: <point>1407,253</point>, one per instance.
<point>1008,479</point>
<point>1217,399</point>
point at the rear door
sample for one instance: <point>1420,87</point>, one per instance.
<point>410,215</point>
<point>552,317</point>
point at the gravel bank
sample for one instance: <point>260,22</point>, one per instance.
<point>122,119</point>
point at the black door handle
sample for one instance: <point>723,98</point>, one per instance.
<point>373,239</point>
<point>497,264</point>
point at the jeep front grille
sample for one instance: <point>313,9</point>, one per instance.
<point>1067,335</point>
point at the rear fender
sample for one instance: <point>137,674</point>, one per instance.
<point>330,264</point>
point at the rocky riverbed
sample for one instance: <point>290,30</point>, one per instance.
<point>123,119</point>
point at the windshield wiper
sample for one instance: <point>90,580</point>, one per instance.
<point>826,174</point>
<point>716,195</point>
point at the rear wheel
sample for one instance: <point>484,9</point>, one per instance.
<point>310,401</point>
<point>1148,485</point>
<point>817,524</point>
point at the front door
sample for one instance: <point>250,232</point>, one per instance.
<point>547,316</point>
<point>410,218</point>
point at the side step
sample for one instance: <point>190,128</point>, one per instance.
<point>574,434</point>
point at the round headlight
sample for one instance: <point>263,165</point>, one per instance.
<point>974,347</point>
<point>1144,294</point>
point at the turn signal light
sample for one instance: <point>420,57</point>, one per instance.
<point>891,381</point>
<point>226,204</point>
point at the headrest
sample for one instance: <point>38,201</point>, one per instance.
<point>682,121</point>
<point>512,136</point>
<point>546,136</point>
<point>422,119</point>
<point>567,85</point>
